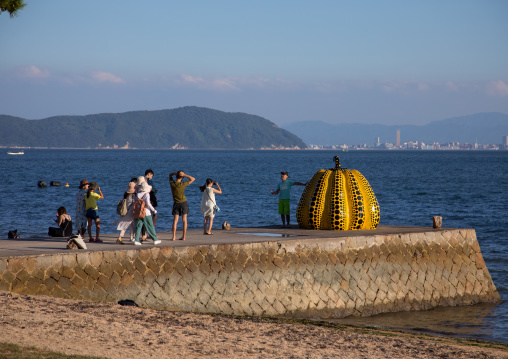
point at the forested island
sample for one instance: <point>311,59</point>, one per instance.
<point>185,127</point>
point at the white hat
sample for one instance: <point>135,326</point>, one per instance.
<point>145,187</point>
<point>141,179</point>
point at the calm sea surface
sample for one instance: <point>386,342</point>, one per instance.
<point>469,189</point>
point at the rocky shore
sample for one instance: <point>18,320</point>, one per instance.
<point>114,331</point>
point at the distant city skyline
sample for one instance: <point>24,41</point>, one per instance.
<point>484,128</point>
<point>418,145</point>
<point>393,62</point>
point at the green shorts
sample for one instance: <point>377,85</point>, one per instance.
<point>284,206</point>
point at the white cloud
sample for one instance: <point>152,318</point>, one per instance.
<point>451,86</point>
<point>101,76</point>
<point>217,83</point>
<point>192,80</point>
<point>392,86</point>
<point>228,83</point>
<point>423,87</point>
<point>33,72</point>
<point>497,88</point>
<point>224,84</point>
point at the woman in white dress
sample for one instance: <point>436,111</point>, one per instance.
<point>208,204</point>
<point>127,222</point>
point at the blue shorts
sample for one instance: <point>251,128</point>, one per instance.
<point>92,213</point>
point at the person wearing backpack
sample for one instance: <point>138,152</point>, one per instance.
<point>126,221</point>
<point>142,212</point>
<point>153,199</point>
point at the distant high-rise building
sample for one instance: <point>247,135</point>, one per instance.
<point>504,144</point>
<point>397,143</point>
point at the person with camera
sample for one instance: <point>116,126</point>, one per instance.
<point>92,211</point>
<point>208,205</point>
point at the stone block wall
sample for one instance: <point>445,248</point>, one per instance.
<point>321,278</point>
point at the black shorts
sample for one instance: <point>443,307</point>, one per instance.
<point>180,208</point>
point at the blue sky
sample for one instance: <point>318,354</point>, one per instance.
<point>387,62</point>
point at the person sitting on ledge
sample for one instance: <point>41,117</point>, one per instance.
<point>64,222</point>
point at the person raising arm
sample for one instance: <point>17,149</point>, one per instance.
<point>180,205</point>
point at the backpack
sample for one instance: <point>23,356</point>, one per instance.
<point>76,242</point>
<point>139,208</point>
<point>121,207</point>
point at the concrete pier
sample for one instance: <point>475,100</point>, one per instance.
<point>262,271</point>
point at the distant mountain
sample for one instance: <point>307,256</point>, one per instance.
<point>185,127</point>
<point>486,128</point>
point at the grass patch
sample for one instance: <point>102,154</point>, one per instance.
<point>8,350</point>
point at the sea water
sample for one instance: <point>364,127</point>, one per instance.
<point>469,189</point>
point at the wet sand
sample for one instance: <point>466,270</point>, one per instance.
<point>114,331</point>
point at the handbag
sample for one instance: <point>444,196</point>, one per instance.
<point>121,207</point>
<point>215,207</point>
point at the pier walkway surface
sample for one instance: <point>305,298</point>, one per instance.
<point>51,245</point>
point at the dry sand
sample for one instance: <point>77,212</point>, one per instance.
<point>114,331</point>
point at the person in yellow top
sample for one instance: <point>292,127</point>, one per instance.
<point>92,211</point>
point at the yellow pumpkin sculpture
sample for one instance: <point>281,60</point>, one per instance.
<point>338,199</point>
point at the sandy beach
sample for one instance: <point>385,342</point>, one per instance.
<point>114,331</point>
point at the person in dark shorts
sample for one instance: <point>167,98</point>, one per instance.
<point>180,205</point>
<point>92,211</point>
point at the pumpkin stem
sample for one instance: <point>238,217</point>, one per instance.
<point>337,162</point>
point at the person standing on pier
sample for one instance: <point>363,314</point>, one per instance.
<point>284,192</point>
<point>208,204</point>
<point>146,220</point>
<point>153,198</point>
<point>127,220</point>
<point>80,220</point>
<point>180,205</point>
<point>92,211</point>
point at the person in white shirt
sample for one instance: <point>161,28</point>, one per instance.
<point>144,193</point>
<point>208,204</point>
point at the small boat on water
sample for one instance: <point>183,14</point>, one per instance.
<point>16,153</point>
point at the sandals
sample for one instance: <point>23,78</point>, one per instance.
<point>119,241</point>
